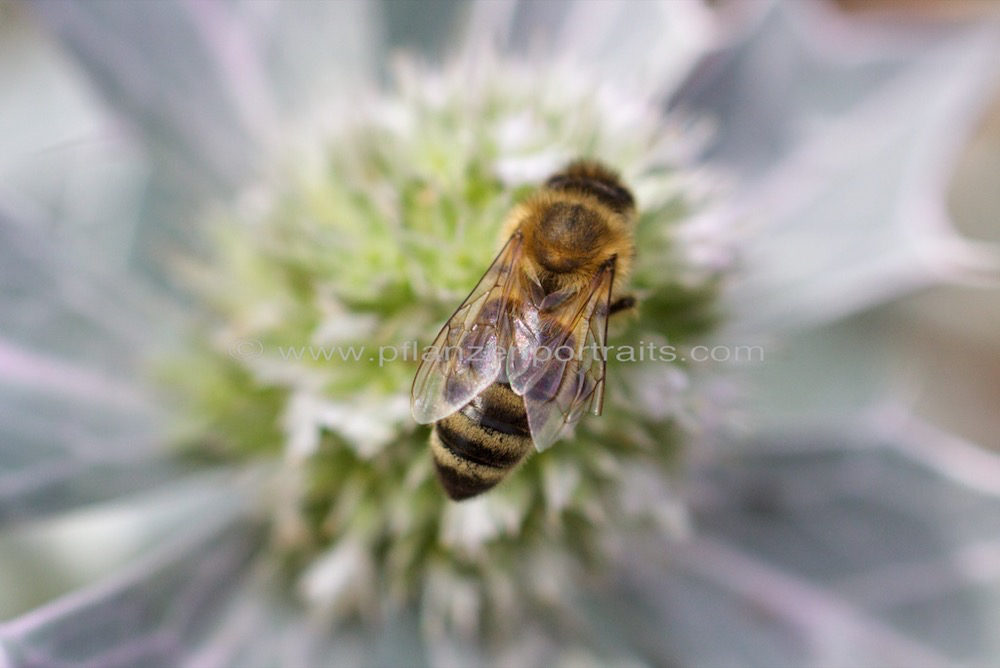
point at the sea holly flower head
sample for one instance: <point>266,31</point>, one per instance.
<point>333,277</point>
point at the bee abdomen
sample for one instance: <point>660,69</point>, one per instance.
<point>474,450</point>
<point>465,443</point>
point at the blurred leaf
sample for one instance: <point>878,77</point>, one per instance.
<point>852,557</point>
<point>149,614</point>
<point>791,68</point>
<point>57,303</point>
<point>262,628</point>
<point>205,83</point>
<point>50,556</point>
<point>425,27</point>
<point>310,53</point>
<point>59,452</point>
<point>76,422</point>
<point>650,44</point>
<point>152,63</point>
<point>842,156</point>
<point>62,159</point>
<point>822,381</point>
<point>208,88</point>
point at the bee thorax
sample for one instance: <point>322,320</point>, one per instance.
<point>568,236</point>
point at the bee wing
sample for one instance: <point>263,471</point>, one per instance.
<point>467,355</point>
<point>560,386</point>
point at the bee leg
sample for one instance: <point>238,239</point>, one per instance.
<point>626,303</point>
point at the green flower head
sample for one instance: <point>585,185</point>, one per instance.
<point>335,274</point>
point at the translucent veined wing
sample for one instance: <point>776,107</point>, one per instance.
<point>467,355</point>
<point>565,377</point>
<point>526,331</point>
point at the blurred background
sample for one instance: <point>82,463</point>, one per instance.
<point>854,518</point>
<point>951,392</point>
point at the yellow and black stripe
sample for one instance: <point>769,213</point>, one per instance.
<point>476,447</point>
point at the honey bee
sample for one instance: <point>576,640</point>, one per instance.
<point>524,355</point>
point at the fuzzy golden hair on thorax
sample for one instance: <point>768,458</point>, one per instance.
<point>581,219</point>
